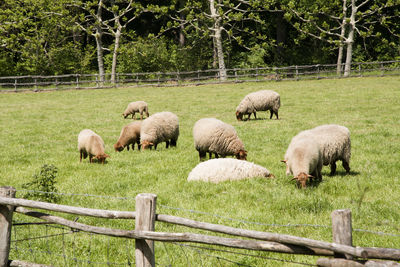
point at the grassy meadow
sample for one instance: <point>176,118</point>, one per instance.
<point>42,128</point>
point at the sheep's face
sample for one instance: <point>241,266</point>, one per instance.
<point>125,115</point>
<point>118,147</point>
<point>146,145</point>
<point>242,154</point>
<point>302,179</point>
<point>239,116</point>
<point>102,158</point>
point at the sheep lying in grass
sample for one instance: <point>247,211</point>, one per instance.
<point>228,169</point>
<point>159,127</point>
<point>263,100</point>
<point>89,143</point>
<point>303,158</point>
<point>214,136</point>
<point>130,134</point>
<point>335,144</point>
<point>138,106</point>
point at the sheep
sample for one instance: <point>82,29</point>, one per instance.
<point>263,100</point>
<point>335,144</point>
<point>159,127</point>
<point>303,158</point>
<point>138,106</point>
<point>89,143</point>
<point>214,136</point>
<point>227,169</point>
<point>130,134</point>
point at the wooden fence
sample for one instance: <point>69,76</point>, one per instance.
<point>93,81</point>
<point>341,251</point>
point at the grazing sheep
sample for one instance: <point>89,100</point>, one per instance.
<point>335,144</point>
<point>159,127</point>
<point>219,170</point>
<point>214,136</point>
<point>263,100</point>
<point>89,143</point>
<point>130,134</point>
<point>138,106</point>
<point>303,158</point>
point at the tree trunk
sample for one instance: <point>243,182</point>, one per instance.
<point>218,41</point>
<point>115,54</point>
<point>100,60</point>
<point>350,39</point>
<point>98,35</point>
<point>342,33</point>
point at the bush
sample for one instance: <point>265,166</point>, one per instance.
<point>43,186</point>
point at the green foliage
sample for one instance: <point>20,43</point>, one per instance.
<point>43,185</point>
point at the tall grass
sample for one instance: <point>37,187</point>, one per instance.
<point>42,128</point>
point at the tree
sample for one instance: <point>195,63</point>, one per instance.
<point>339,23</point>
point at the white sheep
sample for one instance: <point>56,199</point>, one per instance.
<point>263,100</point>
<point>90,143</point>
<point>138,106</point>
<point>303,158</point>
<point>335,144</point>
<point>214,136</point>
<point>130,134</point>
<point>159,127</point>
<point>227,169</point>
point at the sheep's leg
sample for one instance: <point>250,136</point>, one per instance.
<point>138,144</point>
<point>333,168</point>
<point>166,144</point>
<point>127,147</point>
<point>147,114</point>
<point>90,158</point>
<point>346,166</point>
<point>255,115</point>
<point>216,155</point>
<point>202,155</point>
<point>173,142</point>
<point>80,156</point>
<point>272,113</point>
<point>276,114</point>
<point>248,118</point>
<point>155,146</point>
<point>141,115</point>
<point>133,115</point>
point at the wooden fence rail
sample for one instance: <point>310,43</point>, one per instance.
<point>182,78</point>
<point>145,217</point>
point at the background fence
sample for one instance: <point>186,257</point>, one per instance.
<point>144,235</point>
<point>92,81</point>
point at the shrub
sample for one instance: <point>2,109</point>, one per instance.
<point>43,186</point>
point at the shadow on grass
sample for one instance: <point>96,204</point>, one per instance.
<point>344,173</point>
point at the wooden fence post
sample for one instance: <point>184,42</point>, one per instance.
<point>342,230</point>
<point>6,213</point>
<point>145,220</point>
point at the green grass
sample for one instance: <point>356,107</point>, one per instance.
<point>42,128</point>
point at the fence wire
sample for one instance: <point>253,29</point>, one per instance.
<point>225,218</point>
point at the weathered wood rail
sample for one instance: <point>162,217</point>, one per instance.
<point>145,217</point>
<point>181,78</point>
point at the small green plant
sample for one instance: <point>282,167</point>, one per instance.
<point>43,186</point>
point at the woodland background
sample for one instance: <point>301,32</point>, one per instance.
<point>45,37</point>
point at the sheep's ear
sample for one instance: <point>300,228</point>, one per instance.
<point>284,161</point>
<point>310,176</point>
<point>295,178</point>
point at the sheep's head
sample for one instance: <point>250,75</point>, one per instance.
<point>102,158</point>
<point>302,179</point>
<point>118,147</point>
<point>239,116</point>
<point>242,154</point>
<point>146,144</point>
<point>125,115</point>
